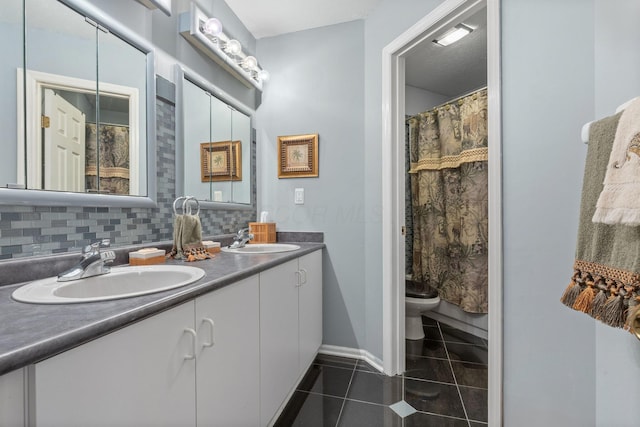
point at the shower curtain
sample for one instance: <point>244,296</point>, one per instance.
<point>113,155</point>
<point>449,197</point>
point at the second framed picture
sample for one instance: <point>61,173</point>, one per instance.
<point>298,156</point>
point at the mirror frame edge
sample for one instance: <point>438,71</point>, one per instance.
<point>182,72</point>
<point>11,196</point>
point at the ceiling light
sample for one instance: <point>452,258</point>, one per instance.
<point>213,27</point>
<point>250,63</point>
<point>234,47</point>
<point>453,35</point>
<point>263,75</point>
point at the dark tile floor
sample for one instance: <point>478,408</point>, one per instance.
<point>445,385</point>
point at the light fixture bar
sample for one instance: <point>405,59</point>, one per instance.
<point>207,35</point>
<point>453,35</point>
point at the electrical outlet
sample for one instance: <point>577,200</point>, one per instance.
<point>298,197</point>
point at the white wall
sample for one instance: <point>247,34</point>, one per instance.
<point>617,66</point>
<point>547,95</point>
<point>316,87</point>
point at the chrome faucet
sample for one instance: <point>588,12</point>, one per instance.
<point>241,239</point>
<point>92,263</point>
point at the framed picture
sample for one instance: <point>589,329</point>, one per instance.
<point>298,156</point>
<point>221,161</point>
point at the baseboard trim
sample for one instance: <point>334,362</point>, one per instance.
<point>352,353</point>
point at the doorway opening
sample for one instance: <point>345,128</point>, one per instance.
<point>395,55</point>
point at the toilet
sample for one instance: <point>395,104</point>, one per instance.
<point>417,302</point>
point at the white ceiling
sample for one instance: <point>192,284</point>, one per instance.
<point>267,18</point>
<point>449,71</point>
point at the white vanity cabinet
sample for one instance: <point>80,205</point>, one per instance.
<point>141,375</point>
<point>227,358</point>
<point>12,399</point>
<point>200,355</point>
<point>290,328</point>
<point>228,362</point>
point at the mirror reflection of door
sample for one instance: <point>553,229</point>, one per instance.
<point>63,144</point>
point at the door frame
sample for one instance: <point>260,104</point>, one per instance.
<point>393,191</point>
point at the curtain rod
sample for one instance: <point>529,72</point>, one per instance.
<point>453,100</point>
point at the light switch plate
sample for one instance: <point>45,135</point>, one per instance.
<point>298,197</point>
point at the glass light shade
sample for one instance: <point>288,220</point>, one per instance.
<point>250,63</point>
<point>263,75</point>
<point>213,27</point>
<point>234,47</point>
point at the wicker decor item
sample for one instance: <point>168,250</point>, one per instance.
<point>263,232</point>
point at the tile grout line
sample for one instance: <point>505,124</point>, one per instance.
<point>344,400</point>
<point>464,408</point>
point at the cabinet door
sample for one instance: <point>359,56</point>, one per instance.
<point>310,307</point>
<point>228,363</point>
<point>278,337</point>
<point>12,398</point>
<point>136,376</point>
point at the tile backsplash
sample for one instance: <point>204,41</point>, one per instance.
<point>38,230</point>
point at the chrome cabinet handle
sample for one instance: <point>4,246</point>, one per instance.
<point>304,275</point>
<point>211,340</point>
<point>193,344</point>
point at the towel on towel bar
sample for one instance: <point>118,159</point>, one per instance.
<point>619,201</point>
<point>606,279</point>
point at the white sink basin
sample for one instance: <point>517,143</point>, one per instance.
<point>121,282</point>
<point>263,248</point>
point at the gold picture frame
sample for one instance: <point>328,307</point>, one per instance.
<point>298,156</point>
<point>221,161</point>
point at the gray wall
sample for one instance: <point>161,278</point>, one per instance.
<point>547,94</point>
<point>617,61</point>
<point>419,100</point>
<point>316,87</point>
<point>382,26</point>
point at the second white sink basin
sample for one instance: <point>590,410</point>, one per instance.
<point>121,282</point>
<point>263,248</point>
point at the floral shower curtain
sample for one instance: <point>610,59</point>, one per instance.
<point>448,152</point>
<point>114,159</point>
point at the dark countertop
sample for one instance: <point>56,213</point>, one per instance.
<point>33,332</point>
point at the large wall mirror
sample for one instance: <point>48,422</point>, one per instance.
<point>214,161</point>
<point>84,103</point>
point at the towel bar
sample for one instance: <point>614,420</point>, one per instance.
<point>584,134</point>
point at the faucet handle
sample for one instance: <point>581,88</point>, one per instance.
<point>94,247</point>
<point>108,256</point>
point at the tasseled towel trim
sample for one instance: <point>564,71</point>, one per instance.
<point>605,293</point>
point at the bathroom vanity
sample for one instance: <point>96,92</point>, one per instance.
<point>226,350</point>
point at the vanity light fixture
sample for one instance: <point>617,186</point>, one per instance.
<point>206,33</point>
<point>453,35</point>
<point>212,27</point>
